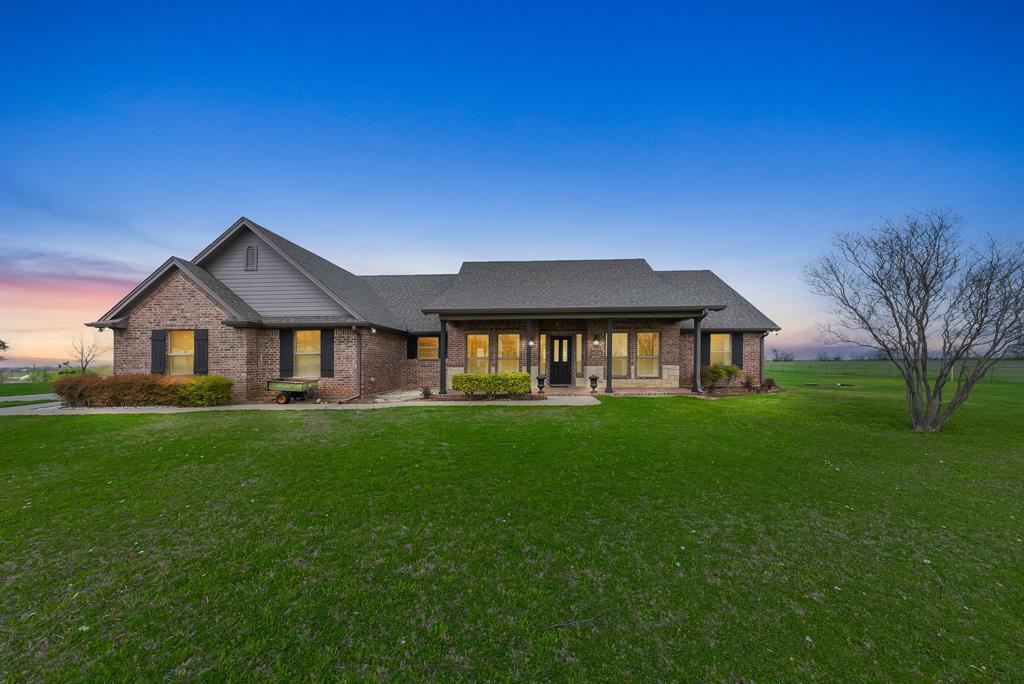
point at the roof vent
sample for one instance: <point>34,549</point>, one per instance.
<point>251,258</point>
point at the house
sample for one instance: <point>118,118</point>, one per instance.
<point>254,306</point>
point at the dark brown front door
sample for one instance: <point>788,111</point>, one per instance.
<point>560,366</point>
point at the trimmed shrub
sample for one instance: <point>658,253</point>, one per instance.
<point>206,390</point>
<point>710,376</point>
<point>768,384</point>
<point>143,390</point>
<point>492,384</point>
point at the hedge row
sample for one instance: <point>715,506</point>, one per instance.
<point>143,390</point>
<point>492,384</point>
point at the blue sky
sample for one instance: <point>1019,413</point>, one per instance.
<point>409,138</point>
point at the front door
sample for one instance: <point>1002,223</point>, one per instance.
<point>560,366</point>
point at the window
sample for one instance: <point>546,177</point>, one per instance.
<point>648,354</point>
<point>307,354</point>
<point>721,348</point>
<point>181,352</point>
<point>508,353</point>
<point>579,354</point>
<point>251,258</point>
<point>428,347</point>
<point>543,355</point>
<point>620,355</point>
<point>478,353</point>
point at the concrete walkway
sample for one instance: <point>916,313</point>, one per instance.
<point>30,397</point>
<point>56,410</point>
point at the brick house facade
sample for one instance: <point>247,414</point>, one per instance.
<point>237,292</point>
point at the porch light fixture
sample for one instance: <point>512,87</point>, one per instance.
<point>373,331</point>
<point>530,343</point>
<point>597,341</point>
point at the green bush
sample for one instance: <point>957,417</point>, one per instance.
<point>206,390</point>
<point>143,390</point>
<point>492,384</point>
<point>710,376</point>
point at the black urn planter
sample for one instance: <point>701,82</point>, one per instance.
<point>540,383</point>
<point>593,383</point>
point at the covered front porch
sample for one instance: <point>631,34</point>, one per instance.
<point>642,354</point>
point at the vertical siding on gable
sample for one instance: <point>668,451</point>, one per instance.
<point>277,288</point>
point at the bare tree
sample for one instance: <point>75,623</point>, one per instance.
<point>912,288</point>
<point>85,351</point>
<point>779,355</point>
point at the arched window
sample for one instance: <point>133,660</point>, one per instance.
<point>251,258</point>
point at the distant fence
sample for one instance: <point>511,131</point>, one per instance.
<point>1004,371</point>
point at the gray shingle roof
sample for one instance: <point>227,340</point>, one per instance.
<point>597,285</point>
<point>739,314</point>
<point>354,291</point>
<point>406,295</point>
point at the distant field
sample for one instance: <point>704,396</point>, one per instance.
<point>14,389</point>
<point>1005,371</point>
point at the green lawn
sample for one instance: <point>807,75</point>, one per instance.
<point>13,389</point>
<point>803,535</point>
<point>8,404</point>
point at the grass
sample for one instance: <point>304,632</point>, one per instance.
<point>1009,370</point>
<point>9,404</point>
<point>794,536</point>
<point>14,389</point>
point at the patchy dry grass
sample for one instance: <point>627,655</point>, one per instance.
<point>793,536</point>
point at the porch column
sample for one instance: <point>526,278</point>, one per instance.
<point>696,353</point>
<point>529,348</point>
<point>442,352</point>
<point>608,360</point>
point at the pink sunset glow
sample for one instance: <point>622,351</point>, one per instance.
<point>44,302</point>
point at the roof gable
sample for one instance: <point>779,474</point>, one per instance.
<point>350,291</point>
<point>234,306</point>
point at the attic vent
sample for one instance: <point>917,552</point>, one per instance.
<point>251,258</point>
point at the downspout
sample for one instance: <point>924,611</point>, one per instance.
<point>761,365</point>
<point>359,362</point>
<point>697,388</point>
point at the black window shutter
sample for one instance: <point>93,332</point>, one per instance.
<point>158,352</point>
<point>201,351</point>
<point>705,349</point>
<point>327,353</point>
<point>737,349</point>
<point>287,353</point>
<point>411,344</point>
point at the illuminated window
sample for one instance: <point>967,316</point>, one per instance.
<point>478,354</point>
<point>427,347</point>
<point>620,355</point>
<point>579,354</point>
<point>307,354</point>
<point>508,353</point>
<point>181,352</point>
<point>721,348</point>
<point>543,355</point>
<point>648,354</point>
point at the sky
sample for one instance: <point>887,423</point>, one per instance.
<point>397,138</point>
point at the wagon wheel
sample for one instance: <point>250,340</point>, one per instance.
<point>282,398</point>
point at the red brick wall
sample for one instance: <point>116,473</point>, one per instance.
<point>752,360</point>
<point>176,303</point>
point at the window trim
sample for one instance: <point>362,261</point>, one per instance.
<point>485,359</point>
<point>518,358</point>
<point>626,356</point>
<point>727,351</point>
<point>296,353</point>
<point>656,356</point>
<point>436,347</point>
<point>579,368</point>
<point>170,354</point>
